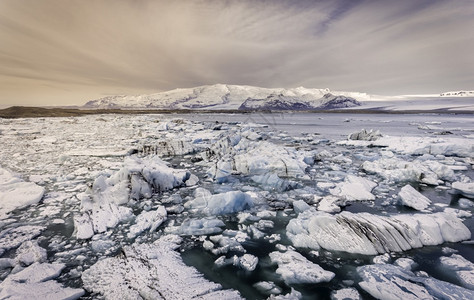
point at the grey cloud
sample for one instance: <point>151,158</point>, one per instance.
<point>80,49</point>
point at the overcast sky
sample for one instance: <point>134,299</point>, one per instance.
<point>57,52</point>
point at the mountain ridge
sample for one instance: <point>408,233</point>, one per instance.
<point>223,96</point>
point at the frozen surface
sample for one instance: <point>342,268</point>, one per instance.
<point>16,193</point>
<point>151,271</point>
<point>35,282</point>
<point>246,194</point>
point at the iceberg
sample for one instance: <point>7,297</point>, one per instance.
<point>246,157</point>
<point>354,188</point>
<point>412,198</point>
<point>219,204</point>
<point>104,205</point>
<point>393,282</point>
<point>203,226</point>
<point>464,188</point>
<point>294,268</point>
<point>369,234</point>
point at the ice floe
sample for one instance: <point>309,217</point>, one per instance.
<point>194,226</point>
<point>412,198</point>
<point>394,282</point>
<point>398,170</point>
<point>151,271</point>
<point>232,190</point>
<point>148,220</point>
<point>15,236</point>
<point>463,268</point>
<point>354,188</point>
<point>365,135</point>
<point>345,294</point>
<point>16,193</point>
<point>34,282</point>
<point>464,188</point>
<point>294,268</point>
<point>365,233</point>
<point>218,204</point>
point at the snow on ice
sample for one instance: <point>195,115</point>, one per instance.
<point>151,271</point>
<point>412,198</point>
<point>294,268</point>
<point>141,206</point>
<point>16,193</point>
<point>394,282</point>
<point>369,234</point>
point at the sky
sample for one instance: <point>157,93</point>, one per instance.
<point>57,52</point>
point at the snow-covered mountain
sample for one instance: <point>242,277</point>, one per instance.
<point>458,94</point>
<point>222,96</point>
<point>282,102</point>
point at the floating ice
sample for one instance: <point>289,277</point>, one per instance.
<point>330,204</point>
<point>365,135</point>
<point>345,294</point>
<point>420,145</point>
<point>104,204</point>
<point>365,233</point>
<point>219,204</point>
<point>167,148</point>
<point>412,198</point>
<point>148,220</point>
<point>203,226</point>
<point>463,268</point>
<point>30,252</point>
<point>393,282</point>
<point>242,156</point>
<point>398,170</point>
<point>294,268</point>
<point>267,287</point>
<point>34,283</point>
<point>293,295</point>
<point>300,206</point>
<point>228,243</point>
<point>15,236</point>
<point>271,181</point>
<point>16,193</point>
<point>151,271</point>
<point>464,188</point>
<point>83,227</point>
<point>354,188</point>
<point>246,262</point>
